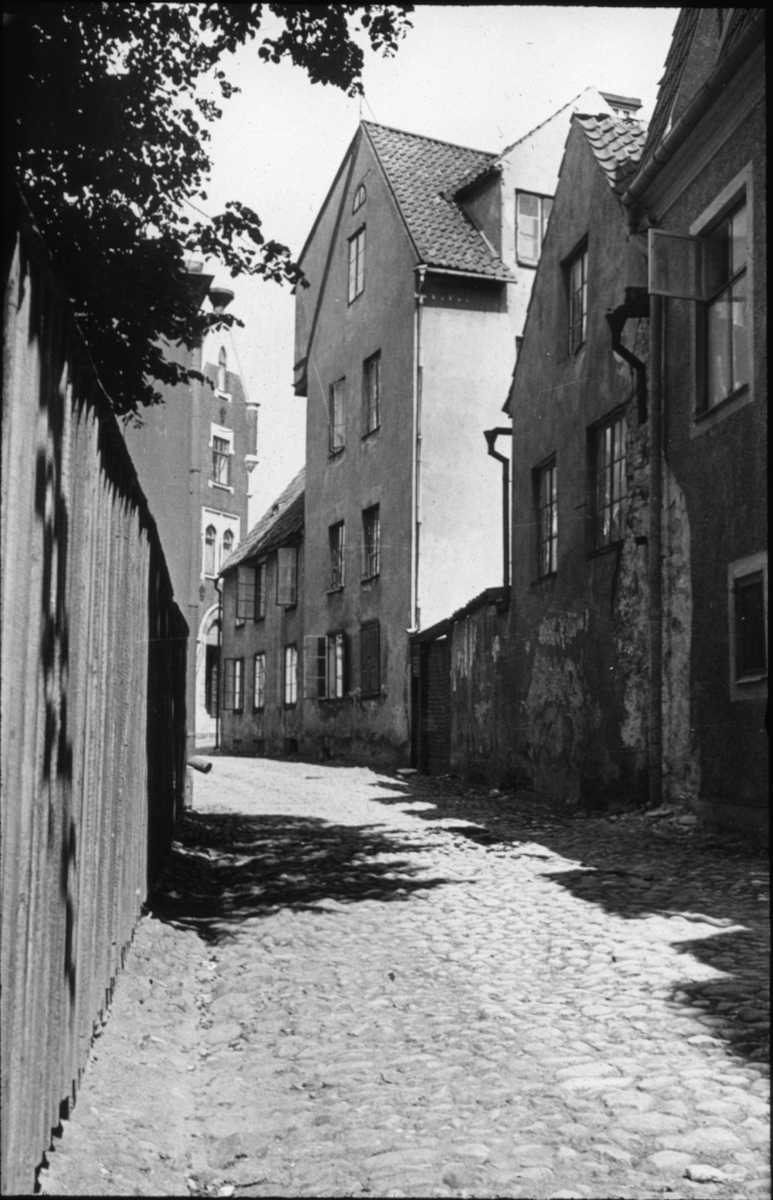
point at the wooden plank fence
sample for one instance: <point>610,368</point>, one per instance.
<point>93,703</point>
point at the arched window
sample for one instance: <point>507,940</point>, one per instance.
<point>222,368</point>
<point>228,543</point>
<point>210,538</point>
<point>359,198</point>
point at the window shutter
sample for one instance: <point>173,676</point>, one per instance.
<point>676,265</point>
<point>245,594</point>
<point>315,649</point>
<point>370,654</point>
<point>287,559</point>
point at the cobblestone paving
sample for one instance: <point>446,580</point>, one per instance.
<point>361,985</point>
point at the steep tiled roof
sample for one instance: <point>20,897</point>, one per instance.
<point>676,61</point>
<point>617,145</point>
<point>423,175</point>
<point>282,521</point>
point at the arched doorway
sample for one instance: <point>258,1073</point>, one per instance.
<point>207,677</point>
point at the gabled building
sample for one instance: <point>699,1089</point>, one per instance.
<point>699,200</point>
<point>577,639</point>
<point>261,693</point>
<point>419,267</point>
<point>193,453</point>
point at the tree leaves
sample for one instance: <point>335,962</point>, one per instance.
<point>111,140</point>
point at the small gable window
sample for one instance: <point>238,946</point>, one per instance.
<point>359,198</point>
<point>577,280</point>
<point>532,213</point>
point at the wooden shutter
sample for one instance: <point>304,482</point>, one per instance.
<point>370,659</point>
<point>286,583</point>
<point>315,655</point>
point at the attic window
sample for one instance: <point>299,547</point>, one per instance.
<point>359,198</point>
<point>532,213</point>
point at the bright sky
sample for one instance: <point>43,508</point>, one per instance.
<point>481,75</point>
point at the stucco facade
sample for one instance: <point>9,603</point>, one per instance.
<point>577,635</point>
<point>715,447</point>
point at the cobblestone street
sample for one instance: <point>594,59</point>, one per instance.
<point>352,983</point>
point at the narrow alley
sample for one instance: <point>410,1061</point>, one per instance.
<point>357,984</point>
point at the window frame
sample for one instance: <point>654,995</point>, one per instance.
<point>245,593</point>
<point>367,686</point>
<point>337,416</point>
<point>261,589</point>
<point>752,685</point>
<point>221,433</point>
<point>233,685</point>
<point>600,544</point>
<point>210,552</point>
<point>287,576</point>
<point>259,681</point>
<point>290,675</point>
<point>371,411</point>
<point>524,260</point>
<point>547,564</point>
<point>577,326</point>
<point>371,549</point>
<point>337,545</point>
<point>356,261</point>
<point>360,196</point>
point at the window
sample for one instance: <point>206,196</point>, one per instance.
<point>577,275</point>
<point>547,521</point>
<point>337,548</point>
<point>233,685</point>
<point>371,542</point>
<point>610,484</point>
<point>291,675</point>
<point>724,330</point>
<point>221,461</point>
<point>228,543</point>
<point>336,430</point>
<point>531,221</point>
<point>260,591</point>
<point>371,394</point>
<point>356,264</point>
<point>748,603</point>
<point>326,666</point>
<point>210,538</point>
<point>287,576</point>
<point>259,685</point>
<point>222,370</point>
<point>359,198</point>
<point>245,593</point>
<point>370,659</point>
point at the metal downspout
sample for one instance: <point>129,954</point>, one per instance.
<point>655,740</point>
<point>416,452</point>
<point>491,436</point>
<point>219,590</point>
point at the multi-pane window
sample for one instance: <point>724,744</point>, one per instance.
<point>326,666</point>
<point>245,593</point>
<point>371,394</point>
<point>221,461</point>
<point>611,486</point>
<point>577,272</point>
<point>532,213</point>
<point>260,591</point>
<point>336,416</point>
<point>259,684</point>
<point>726,329</point>
<point>228,543</point>
<point>210,541</point>
<point>287,576</point>
<point>337,537</point>
<point>370,659</point>
<point>547,520</point>
<point>233,685</point>
<point>291,675</point>
<point>371,542</point>
<point>359,198</point>
<point>356,264</point>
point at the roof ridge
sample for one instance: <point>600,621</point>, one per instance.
<point>425,138</point>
